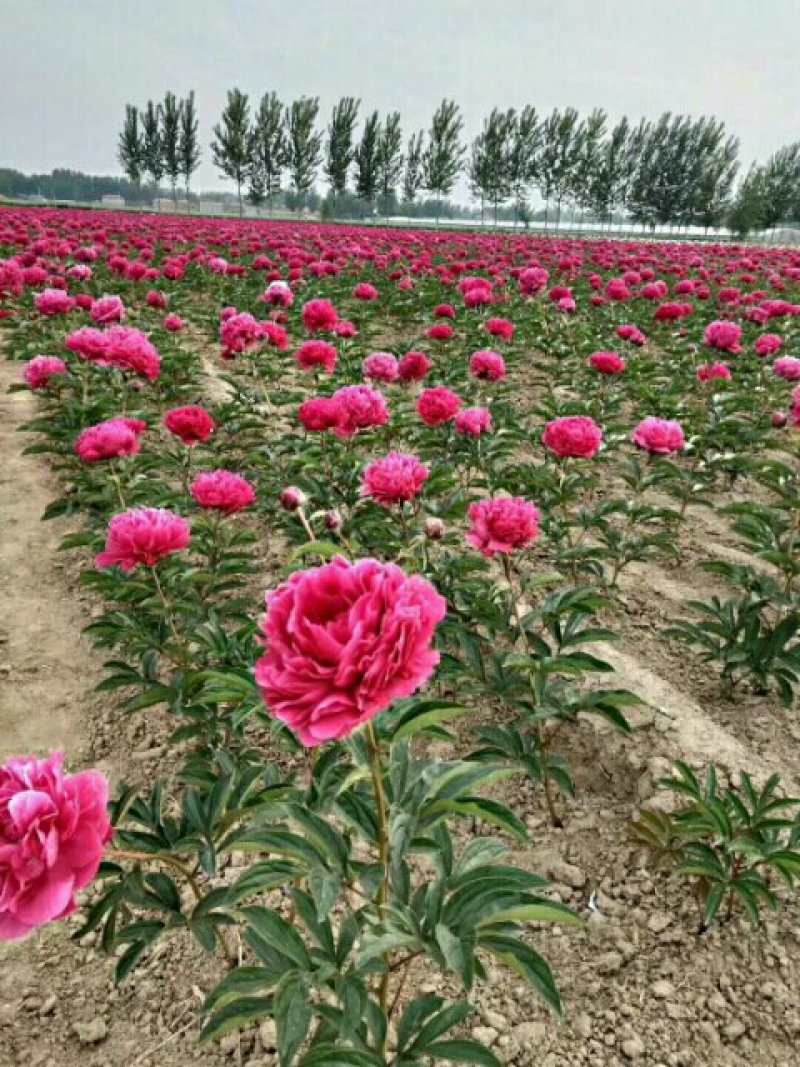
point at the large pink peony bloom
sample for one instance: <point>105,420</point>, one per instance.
<point>768,344</point>
<point>53,827</point>
<point>437,406</point>
<point>473,421</point>
<point>381,367</point>
<point>39,371</point>
<point>192,424</point>
<point>129,349</point>
<point>487,365</point>
<point>222,491</point>
<point>573,435</point>
<point>107,309</point>
<point>709,372</point>
<point>143,536</point>
<point>414,366</point>
<point>361,407</point>
<point>606,362</point>
<point>111,439</point>
<point>788,368</point>
<point>313,354</point>
<point>319,316</point>
<point>503,524</point>
<point>659,435</point>
<point>320,413</point>
<point>394,479</point>
<point>53,302</point>
<point>723,335</point>
<point>343,642</point>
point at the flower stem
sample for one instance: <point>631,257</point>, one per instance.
<point>376,769</point>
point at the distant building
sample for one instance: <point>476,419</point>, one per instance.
<point>112,200</point>
<point>210,207</point>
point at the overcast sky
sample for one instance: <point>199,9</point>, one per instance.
<point>69,68</point>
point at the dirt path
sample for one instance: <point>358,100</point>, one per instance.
<point>47,668</point>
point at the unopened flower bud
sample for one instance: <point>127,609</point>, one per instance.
<point>434,528</point>
<point>333,521</point>
<point>293,498</point>
<point>779,418</point>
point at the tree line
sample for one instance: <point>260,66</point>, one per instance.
<point>675,171</point>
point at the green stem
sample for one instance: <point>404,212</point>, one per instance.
<point>376,769</point>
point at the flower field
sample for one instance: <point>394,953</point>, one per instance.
<point>438,690</point>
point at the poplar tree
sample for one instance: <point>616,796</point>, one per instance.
<point>231,145</point>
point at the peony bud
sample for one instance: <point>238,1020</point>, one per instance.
<point>293,498</point>
<point>434,528</point>
<point>779,418</point>
<point>333,521</point>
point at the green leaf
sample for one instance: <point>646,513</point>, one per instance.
<point>292,1015</point>
<point>278,934</point>
<point>463,1050</point>
<point>324,549</point>
<point>544,911</point>
<point>425,714</point>
<point>235,1015</point>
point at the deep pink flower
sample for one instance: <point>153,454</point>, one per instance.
<point>156,300</point>
<point>394,479</point>
<point>661,436</point>
<point>444,311</point>
<point>53,302</point>
<point>343,642</point>
<point>723,335</point>
<point>414,366</point>
<point>502,328</point>
<point>532,280</point>
<point>321,413</point>
<point>473,421</point>
<point>319,316</point>
<point>365,291</point>
<point>192,424</point>
<point>632,334</point>
<point>362,408</point>
<point>345,329</point>
<point>573,435</point>
<point>130,350</point>
<point>440,331</point>
<point>143,536</point>
<point>222,491</point>
<point>768,344</point>
<point>437,406</point>
<point>487,365</point>
<point>53,828</point>
<point>89,343</point>
<point>292,498</point>
<point>174,323</point>
<point>111,439</point>
<point>41,369</point>
<point>107,309</point>
<point>606,362</point>
<point>317,354</point>
<point>503,524</point>
<point>381,367</point>
<point>788,368</point>
<point>711,371</point>
<point>278,293</point>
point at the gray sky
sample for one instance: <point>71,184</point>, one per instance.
<point>70,67</point>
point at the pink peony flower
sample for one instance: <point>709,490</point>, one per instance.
<point>414,366</point>
<point>365,291</point>
<point>768,344</point>
<point>222,491</point>
<point>143,536</point>
<point>788,368</point>
<point>444,311</point>
<point>111,439</point>
<point>192,424</point>
<point>343,642</point>
<point>362,408</point>
<point>313,354</point>
<point>440,331</point>
<point>89,343</point>
<point>606,362</point>
<point>723,335</point>
<point>487,365</point>
<point>632,334</point>
<point>437,406</point>
<point>292,498</point>
<point>278,293</point>
<point>156,300</point>
<point>53,302</point>
<point>320,413</point>
<point>53,828</point>
<point>573,435</point>
<point>345,329</point>
<point>394,479</point>
<point>130,350</point>
<point>381,367</point>
<point>174,323</point>
<point>473,421</point>
<point>532,280</point>
<point>80,272</point>
<point>503,524</point>
<point>661,436</point>
<point>41,369</point>
<point>107,309</point>
<point>319,316</point>
<point>502,328</point>
<point>712,371</point>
